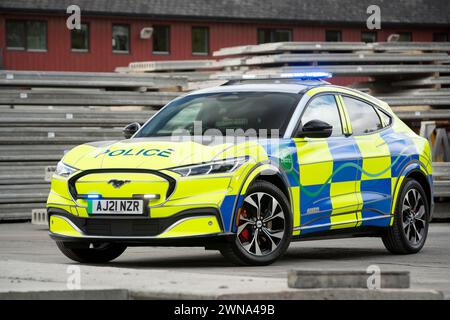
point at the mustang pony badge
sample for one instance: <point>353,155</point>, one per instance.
<point>118,183</point>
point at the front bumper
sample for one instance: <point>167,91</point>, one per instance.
<point>193,198</point>
<point>190,227</point>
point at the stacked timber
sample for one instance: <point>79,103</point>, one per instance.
<point>410,76</point>
<point>407,75</point>
<point>44,114</point>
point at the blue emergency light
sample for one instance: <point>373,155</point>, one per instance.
<point>93,196</point>
<point>312,75</point>
<point>295,75</point>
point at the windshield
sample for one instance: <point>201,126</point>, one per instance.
<point>237,113</point>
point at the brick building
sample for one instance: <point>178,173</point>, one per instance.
<point>34,36</point>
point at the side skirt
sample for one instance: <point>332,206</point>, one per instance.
<point>356,232</point>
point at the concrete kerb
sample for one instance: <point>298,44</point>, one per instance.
<point>96,294</point>
<point>302,294</point>
<point>30,280</point>
<point>299,294</point>
<point>313,279</point>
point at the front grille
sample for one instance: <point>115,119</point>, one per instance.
<point>145,181</point>
<point>122,227</point>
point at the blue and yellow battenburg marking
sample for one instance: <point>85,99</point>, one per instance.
<point>333,183</point>
<point>348,181</point>
<point>342,182</point>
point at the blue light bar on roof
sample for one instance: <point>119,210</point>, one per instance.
<point>307,75</point>
<point>300,75</point>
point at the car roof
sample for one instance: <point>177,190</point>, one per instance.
<point>262,86</point>
<point>289,86</point>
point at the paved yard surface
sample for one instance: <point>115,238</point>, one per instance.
<point>29,259</point>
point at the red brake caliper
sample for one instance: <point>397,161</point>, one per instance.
<point>244,236</point>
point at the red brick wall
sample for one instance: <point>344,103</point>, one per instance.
<point>101,58</point>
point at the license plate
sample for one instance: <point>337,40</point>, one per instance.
<point>110,206</point>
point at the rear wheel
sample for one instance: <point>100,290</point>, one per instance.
<point>95,253</point>
<point>264,227</point>
<point>410,228</point>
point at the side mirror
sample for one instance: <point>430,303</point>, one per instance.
<point>315,129</point>
<point>131,129</point>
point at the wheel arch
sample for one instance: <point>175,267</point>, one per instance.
<point>278,181</point>
<point>272,174</point>
<point>417,171</point>
<point>422,179</point>
<point>264,172</point>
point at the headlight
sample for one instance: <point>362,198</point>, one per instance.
<point>214,167</point>
<point>63,170</point>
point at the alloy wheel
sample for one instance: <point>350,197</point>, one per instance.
<point>414,219</point>
<point>261,225</point>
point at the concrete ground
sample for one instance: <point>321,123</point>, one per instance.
<point>30,260</point>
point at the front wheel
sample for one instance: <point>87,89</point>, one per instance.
<point>264,227</point>
<point>95,253</point>
<point>410,228</point>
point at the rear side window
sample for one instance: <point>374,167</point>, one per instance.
<point>363,117</point>
<point>324,108</point>
<point>387,120</point>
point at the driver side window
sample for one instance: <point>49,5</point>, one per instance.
<point>324,108</point>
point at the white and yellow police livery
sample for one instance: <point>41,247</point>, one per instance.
<point>246,168</point>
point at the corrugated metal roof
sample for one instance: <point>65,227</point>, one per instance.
<point>418,12</point>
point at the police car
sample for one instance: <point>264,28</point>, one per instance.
<point>246,168</point>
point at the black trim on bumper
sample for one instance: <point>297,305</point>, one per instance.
<point>208,241</point>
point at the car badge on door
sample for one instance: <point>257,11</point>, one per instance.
<point>118,183</point>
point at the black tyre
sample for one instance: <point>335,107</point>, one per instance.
<point>412,215</point>
<point>98,253</point>
<point>264,227</point>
